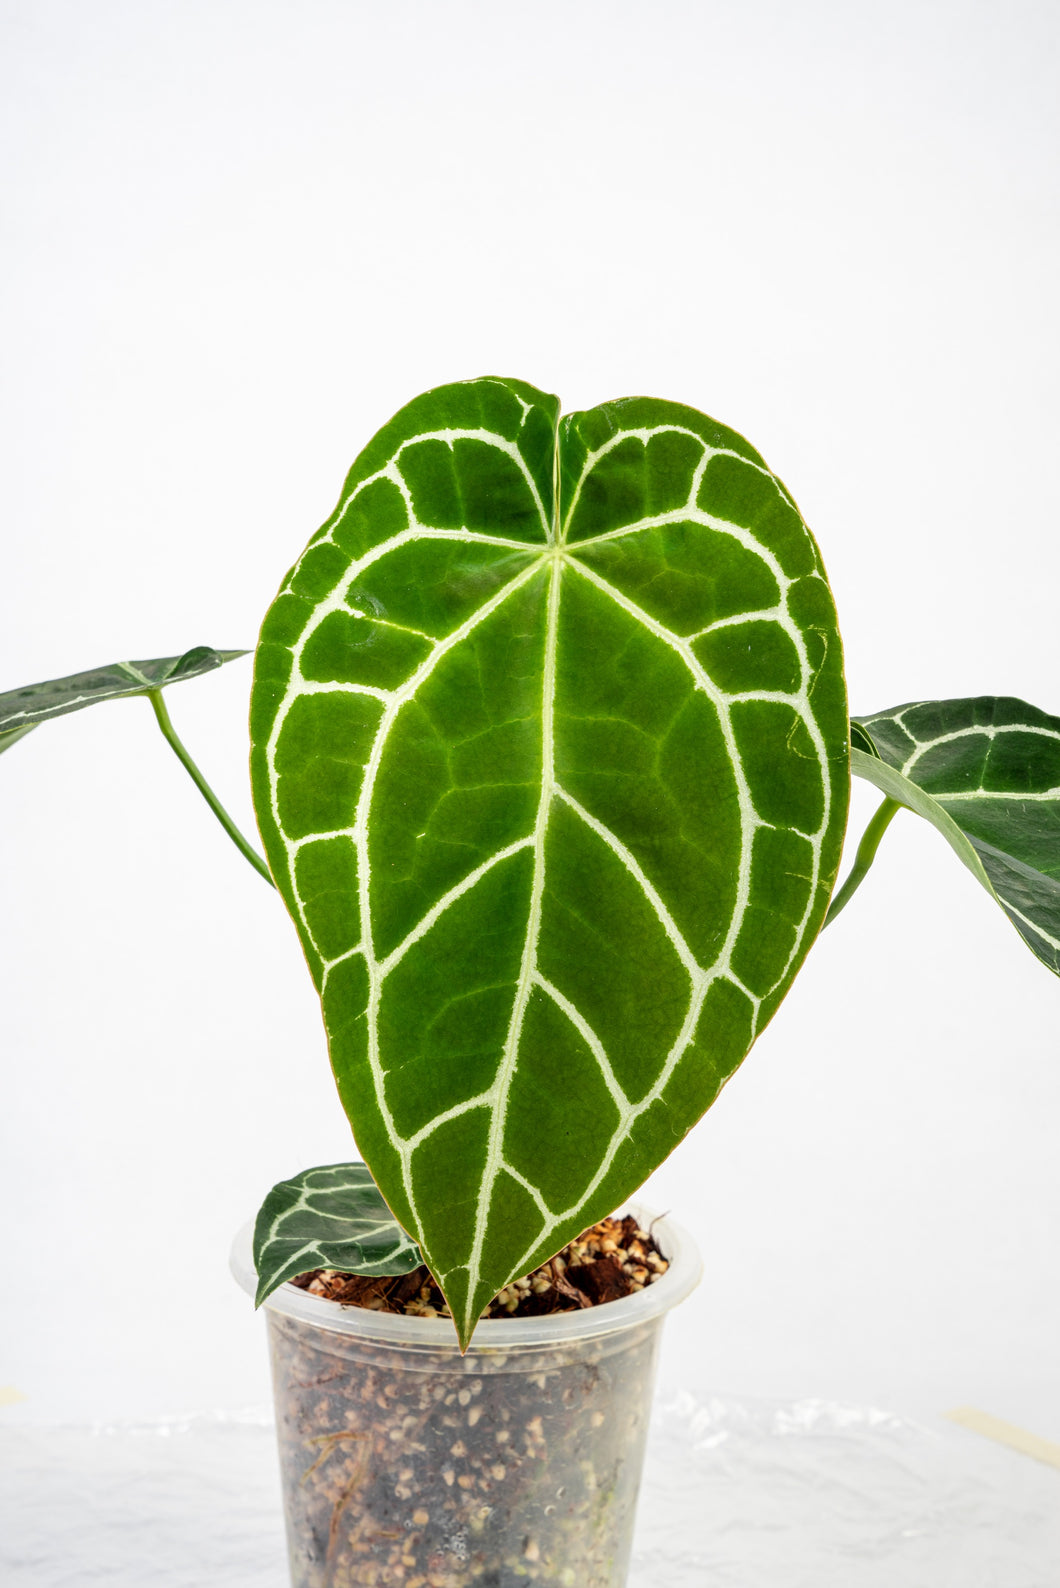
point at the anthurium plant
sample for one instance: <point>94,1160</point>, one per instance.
<point>550,754</point>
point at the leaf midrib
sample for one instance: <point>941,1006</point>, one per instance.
<point>495,1161</point>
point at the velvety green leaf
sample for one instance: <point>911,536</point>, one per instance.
<point>550,762</point>
<point>22,709</point>
<point>986,773</point>
<point>332,1217</point>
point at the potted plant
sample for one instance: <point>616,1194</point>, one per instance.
<point>550,753</point>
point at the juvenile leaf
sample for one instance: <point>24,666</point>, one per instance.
<point>986,773</point>
<point>550,763</point>
<point>332,1217</point>
<point>22,709</point>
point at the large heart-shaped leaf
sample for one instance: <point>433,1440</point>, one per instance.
<point>986,773</point>
<point>22,709</point>
<point>332,1217</point>
<point>550,762</point>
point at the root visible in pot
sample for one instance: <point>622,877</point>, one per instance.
<point>484,1471</point>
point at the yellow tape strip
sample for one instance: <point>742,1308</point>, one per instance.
<point>1007,1434</point>
<point>9,1395</point>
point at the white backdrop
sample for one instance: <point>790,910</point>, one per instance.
<point>240,235</point>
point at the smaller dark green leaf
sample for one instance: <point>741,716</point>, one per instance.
<point>986,773</point>
<point>331,1217</point>
<point>22,709</point>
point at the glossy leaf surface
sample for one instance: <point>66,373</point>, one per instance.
<point>550,764</point>
<point>985,772</point>
<point>331,1217</point>
<point>22,709</point>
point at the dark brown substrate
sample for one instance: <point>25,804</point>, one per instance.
<point>614,1258</point>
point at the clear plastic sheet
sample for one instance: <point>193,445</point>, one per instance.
<point>179,1503</point>
<point>812,1494</point>
<point>737,1494</point>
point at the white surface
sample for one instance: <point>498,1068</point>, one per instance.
<point>761,1494</point>
<point>239,236</point>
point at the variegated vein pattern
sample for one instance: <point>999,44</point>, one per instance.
<point>329,1217</point>
<point>550,762</point>
<point>22,709</point>
<point>992,763</point>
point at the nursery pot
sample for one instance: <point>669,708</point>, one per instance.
<point>405,1463</point>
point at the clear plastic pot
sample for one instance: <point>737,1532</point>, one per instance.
<point>405,1463</point>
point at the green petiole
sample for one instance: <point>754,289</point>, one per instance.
<point>183,756</point>
<point>866,854</point>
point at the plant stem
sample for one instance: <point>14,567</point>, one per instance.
<point>870,842</point>
<point>178,747</point>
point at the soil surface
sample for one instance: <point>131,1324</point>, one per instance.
<point>614,1258</point>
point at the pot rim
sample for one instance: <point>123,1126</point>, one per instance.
<point>492,1334</point>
